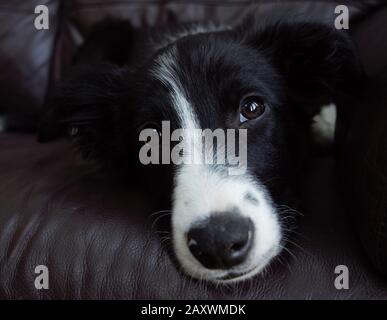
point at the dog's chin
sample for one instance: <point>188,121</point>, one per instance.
<point>242,273</point>
<point>232,276</point>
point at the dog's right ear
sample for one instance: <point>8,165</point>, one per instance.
<point>87,107</point>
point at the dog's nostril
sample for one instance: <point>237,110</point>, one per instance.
<point>239,245</point>
<point>221,241</point>
<point>235,247</point>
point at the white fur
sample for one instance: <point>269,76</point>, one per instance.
<point>324,124</point>
<point>201,190</point>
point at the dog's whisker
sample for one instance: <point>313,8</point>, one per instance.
<point>163,232</point>
<point>292,242</point>
<point>158,219</point>
<point>159,212</point>
<point>285,263</point>
<point>289,252</point>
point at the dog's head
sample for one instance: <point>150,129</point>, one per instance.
<point>270,81</point>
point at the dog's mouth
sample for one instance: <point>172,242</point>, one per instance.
<point>236,276</point>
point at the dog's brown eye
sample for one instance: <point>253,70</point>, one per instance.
<point>251,108</point>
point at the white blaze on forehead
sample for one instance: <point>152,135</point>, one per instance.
<point>166,71</point>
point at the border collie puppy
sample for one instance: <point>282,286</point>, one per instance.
<point>269,79</point>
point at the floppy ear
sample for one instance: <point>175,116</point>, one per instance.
<point>316,61</point>
<point>86,106</point>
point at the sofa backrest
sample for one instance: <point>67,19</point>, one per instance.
<point>32,60</point>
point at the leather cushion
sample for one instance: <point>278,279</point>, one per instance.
<point>95,235</point>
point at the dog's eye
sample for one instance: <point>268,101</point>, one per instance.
<point>251,108</point>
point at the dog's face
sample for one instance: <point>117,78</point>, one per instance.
<point>268,81</point>
<point>223,226</point>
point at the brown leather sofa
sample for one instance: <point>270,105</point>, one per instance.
<point>94,232</point>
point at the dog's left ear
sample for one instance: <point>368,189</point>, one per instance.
<point>316,61</point>
<point>87,106</point>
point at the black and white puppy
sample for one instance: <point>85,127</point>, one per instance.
<point>269,79</point>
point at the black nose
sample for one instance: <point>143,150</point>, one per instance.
<point>221,241</point>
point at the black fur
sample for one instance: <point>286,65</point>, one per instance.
<point>295,67</point>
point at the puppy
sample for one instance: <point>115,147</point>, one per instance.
<point>270,80</point>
